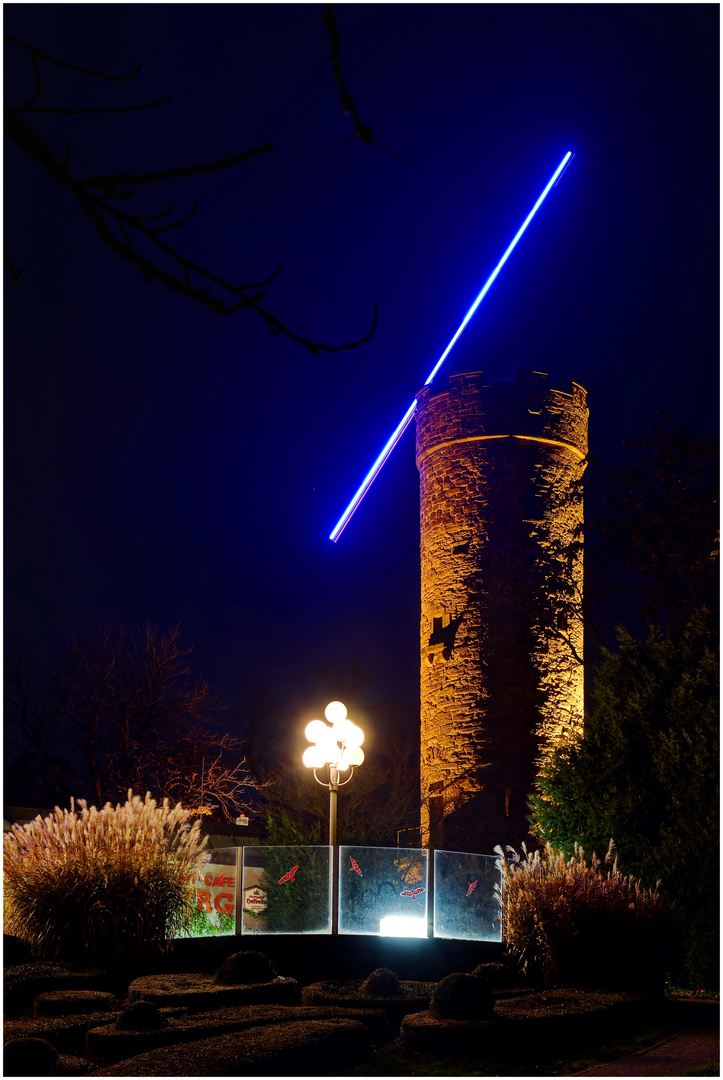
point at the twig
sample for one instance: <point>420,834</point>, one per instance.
<point>72,67</point>
<point>15,274</point>
<point>109,182</point>
<point>362,131</point>
<point>93,108</point>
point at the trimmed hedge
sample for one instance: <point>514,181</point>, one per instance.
<point>411,997</point>
<point>72,1002</point>
<point>204,992</point>
<point>114,1045</point>
<point>301,1048</point>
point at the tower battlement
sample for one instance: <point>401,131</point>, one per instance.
<point>525,405</point>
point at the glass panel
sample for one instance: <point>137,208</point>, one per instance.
<point>214,886</point>
<point>465,905</point>
<point>286,890</point>
<point>383,891</point>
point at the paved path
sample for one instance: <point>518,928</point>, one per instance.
<point>672,1056</point>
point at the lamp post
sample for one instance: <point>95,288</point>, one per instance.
<point>339,748</point>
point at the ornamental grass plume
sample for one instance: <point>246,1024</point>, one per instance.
<point>93,886</point>
<point>570,923</point>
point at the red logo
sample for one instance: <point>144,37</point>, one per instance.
<point>355,865</point>
<point>289,876</point>
<point>472,885</point>
<point>414,893</point>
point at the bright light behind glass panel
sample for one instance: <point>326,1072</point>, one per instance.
<point>402,926</point>
<point>406,419</point>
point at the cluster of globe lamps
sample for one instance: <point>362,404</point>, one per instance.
<point>339,748</point>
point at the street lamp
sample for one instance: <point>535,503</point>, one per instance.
<point>338,747</point>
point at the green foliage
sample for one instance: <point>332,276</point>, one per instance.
<point>655,541</point>
<point>646,772</point>
<point>567,923</point>
<point>204,924</point>
<point>300,903</point>
<point>106,884</point>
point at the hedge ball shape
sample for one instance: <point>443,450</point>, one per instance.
<point>383,982</point>
<point>29,1057</point>
<point>462,997</point>
<point>246,967</point>
<point>141,1016</point>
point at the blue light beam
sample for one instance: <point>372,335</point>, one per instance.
<point>406,419</point>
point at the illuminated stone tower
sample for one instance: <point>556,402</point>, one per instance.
<point>500,466</point>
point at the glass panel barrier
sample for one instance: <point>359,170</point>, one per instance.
<point>214,887</point>
<point>465,905</point>
<point>286,890</point>
<point>383,891</point>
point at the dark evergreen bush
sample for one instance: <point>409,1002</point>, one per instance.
<point>462,997</point>
<point>499,976</point>
<point>29,1057</point>
<point>383,982</point>
<point>141,1016</point>
<point>246,967</point>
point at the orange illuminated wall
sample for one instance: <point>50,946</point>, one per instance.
<point>501,678</point>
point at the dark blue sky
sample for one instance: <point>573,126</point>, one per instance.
<point>165,463</point>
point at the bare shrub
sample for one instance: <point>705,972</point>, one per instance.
<point>101,885</point>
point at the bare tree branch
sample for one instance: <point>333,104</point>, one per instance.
<point>362,131</point>
<point>120,709</point>
<point>96,206</point>
<point>36,53</point>
<point>110,182</point>
<point>92,108</point>
<point>16,273</point>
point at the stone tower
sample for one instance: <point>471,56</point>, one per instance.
<point>500,466</point>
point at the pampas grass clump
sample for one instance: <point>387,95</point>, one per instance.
<point>91,885</point>
<point>570,923</point>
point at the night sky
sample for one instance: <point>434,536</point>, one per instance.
<point>165,463</point>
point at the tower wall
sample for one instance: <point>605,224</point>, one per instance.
<point>501,677</point>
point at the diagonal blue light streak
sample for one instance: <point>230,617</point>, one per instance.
<point>406,419</point>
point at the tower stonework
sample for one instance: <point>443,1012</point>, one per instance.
<point>500,466</point>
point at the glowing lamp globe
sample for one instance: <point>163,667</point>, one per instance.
<point>316,731</point>
<point>313,758</point>
<point>335,711</point>
<point>351,755</point>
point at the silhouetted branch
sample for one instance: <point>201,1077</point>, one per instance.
<point>36,92</point>
<point>177,224</point>
<point>363,131</point>
<point>96,206</point>
<point>110,182</point>
<point>156,217</point>
<point>36,53</point>
<point>93,108</point>
<point>15,273</point>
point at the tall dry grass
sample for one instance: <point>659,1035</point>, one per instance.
<point>567,922</point>
<point>92,886</point>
